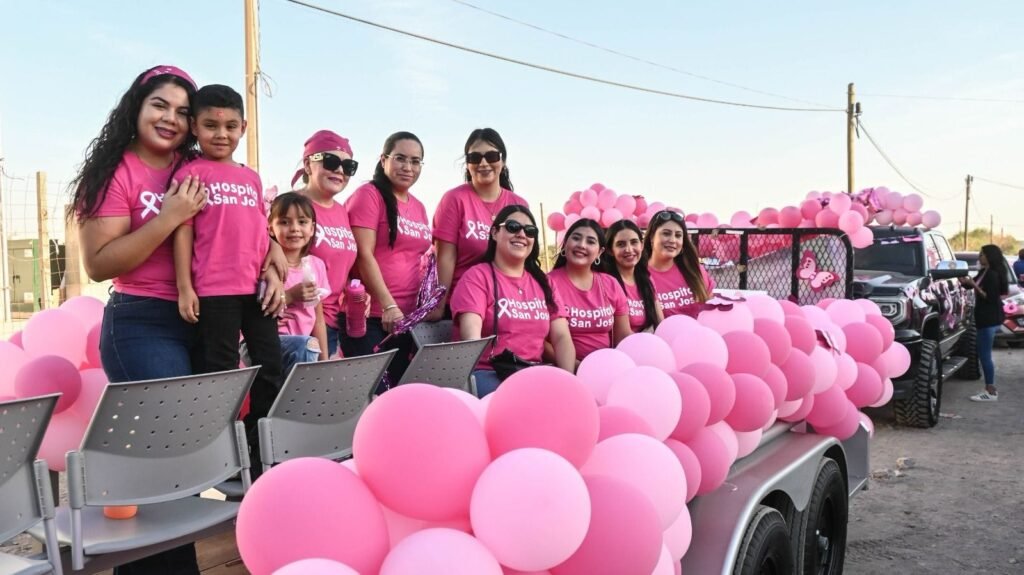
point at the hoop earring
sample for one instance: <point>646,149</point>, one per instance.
<point>597,261</point>
<point>561,252</point>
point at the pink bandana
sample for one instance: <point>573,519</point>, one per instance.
<point>322,141</point>
<point>172,70</point>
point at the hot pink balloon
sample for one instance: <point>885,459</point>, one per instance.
<point>707,220</point>
<point>739,318</point>
<point>277,525</point>
<point>610,216</point>
<point>650,393</point>
<point>867,388</point>
<point>720,387</point>
<point>748,353</point>
<point>643,220</point>
<point>754,403</point>
<point>696,406</point>
<point>49,374</point>
<point>86,309</point>
<point>845,427</point>
<point>700,345</point>
<point>789,217</point>
<point>898,359</point>
<point>626,204</point>
<point>827,219</point>
<point>914,219</point>
<point>556,221</point>
<point>606,198</point>
<point>648,349</point>
<point>862,238</point>
<point>829,407</point>
<point>809,209</point>
<point>316,567</point>
<point>884,328</point>
<point>777,383</point>
<point>714,459</point>
<point>846,371</point>
<point>864,343</point>
<point>588,198</point>
<point>691,466</point>
<point>800,375</point>
<point>56,332</point>
<point>767,216</point>
<point>861,211</point>
<point>591,213</point>
<point>931,219</point>
<point>825,369</point>
<point>806,405</point>
<point>572,207</point>
<point>440,551</point>
<point>776,337</point>
<point>617,420</point>
<point>748,441</point>
<point>690,219</point>
<point>16,339</point>
<point>641,206</point>
<point>12,358</point>
<point>802,334</point>
<point>600,368</point>
<point>887,391</point>
<point>740,220</point>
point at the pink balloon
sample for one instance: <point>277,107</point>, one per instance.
<point>839,203</point>
<point>845,427</point>
<point>765,307</point>
<point>850,222</point>
<point>588,198</point>
<point>600,368</point>
<point>788,408</point>
<point>650,393</point>
<point>825,369</point>
<point>813,195</point>
<point>440,551</point>
<point>789,217</point>
<point>913,203</point>
<point>790,308</point>
<point>829,407</point>
<point>714,459</point>
<point>570,220</point>
<point>867,388</point>
<point>471,401</point>
<point>643,220</point>
<point>777,383</point>
<point>86,309</point>
<point>56,332</point>
<point>12,358</point>
<point>641,206</point>
<point>675,326</point>
<point>49,374</point>
<point>63,434</point>
<point>861,211</point>
<point>776,337</point>
<point>398,428</point>
<point>606,198</point>
<point>648,349</point>
<point>899,216</point>
<point>665,563</point>
<point>914,219</point>
<point>316,567</point>
<point>597,187</point>
<point>845,311</point>
<point>400,526</point>
<point>691,466</point>
<point>556,221</point>
<point>646,464</point>
<point>720,387</point>
<point>626,204</point>
<point>864,343</point>
<point>94,382</point>
<point>748,353</point>
<point>16,339</point>
<point>862,238</point>
<point>800,375</point>
<point>707,220</point>
<point>728,435</point>
<point>802,334</point>
<point>827,219</point>
<point>277,525</point>
<point>509,571</point>
<point>696,406</point>
<point>543,407</point>
<point>767,216</point>
<point>572,207</point>
<point>655,207</point>
<point>869,307</point>
<point>739,318</point>
<point>617,420</point>
<point>846,371</point>
<point>700,345</point>
<point>818,317</point>
<point>590,213</point>
<point>892,201</point>
<point>610,216</point>
<point>748,441</point>
<point>679,535</point>
<point>806,405</point>
<point>809,209</point>
<point>887,391</point>
<point>754,403</point>
<point>898,359</point>
<point>884,217</point>
<point>525,488</point>
<point>740,220</point>
<point>931,219</point>
<point>884,328</point>
<point>625,534</point>
<point>92,346</point>
<point>690,219</point>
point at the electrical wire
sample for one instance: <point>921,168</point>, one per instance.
<point>1005,185</point>
<point>888,160</point>
<point>941,98</point>
<point>630,56</point>
<point>566,73</point>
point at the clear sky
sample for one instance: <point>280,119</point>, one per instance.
<point>66,63</point>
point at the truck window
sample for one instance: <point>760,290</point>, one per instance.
<point>945,252</point>
<point>931,252</point>
<point>890,255</point>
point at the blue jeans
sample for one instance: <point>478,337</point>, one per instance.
<point>294,349</point>
<point>986,339</point>
<point>332,341</point>
<point>486,381</point>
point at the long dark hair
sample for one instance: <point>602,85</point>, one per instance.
<point>641,275</point>
<point>284,202</point>
<point>997,264</point>
<point>560,261</point>
<point>492,137</point>
<point>386,188</point>
<point>105,152</point>
<point>687,261</point>
<point>532,261</point>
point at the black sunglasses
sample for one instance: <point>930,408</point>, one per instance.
<point>513,227</point>
<point>332,163</point>
<point>476,157</point>
<point>666,215</point>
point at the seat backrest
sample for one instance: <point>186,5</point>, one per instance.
<point>315,413</point>
<point>428,332</point>
<point>446,364</point>
<point>162,439</point>
<point>22,426</point>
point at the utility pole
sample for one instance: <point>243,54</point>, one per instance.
<point>544,239</point>
<point>252,132</point>
<point>991,229</point>
<point>5,276</point>
<point>967,207</point>
<point>852,111</point>
<point>44,241</point>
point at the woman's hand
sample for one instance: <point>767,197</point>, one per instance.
<point>183,201</point>
<point>389,317</point>
<point>188,305</point>
<point>273,302</point>
<point>275,259</point>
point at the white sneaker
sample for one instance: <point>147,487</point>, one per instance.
<point>985,397</point>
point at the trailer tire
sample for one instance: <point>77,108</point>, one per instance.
<point>766,547</point>
<point>921,406</point>
<point>821,536</point>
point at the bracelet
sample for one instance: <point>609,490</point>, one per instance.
<point>392,306</point>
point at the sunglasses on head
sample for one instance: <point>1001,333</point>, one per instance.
<point>513,227</point>
<point>332,163</point>
<point>477,157</point>
<point>666,215</point>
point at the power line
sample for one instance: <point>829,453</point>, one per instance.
<point>630,56</point>
<point>556,70</point>
<point>888,160</point>
<point>1015,187</point>
<point>941,98</point>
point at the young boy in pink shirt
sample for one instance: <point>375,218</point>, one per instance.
<point>218,257</point>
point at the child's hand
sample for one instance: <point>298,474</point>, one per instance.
<point>188,305</point>
<point>302,292</point>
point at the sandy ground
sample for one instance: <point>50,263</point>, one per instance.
<point>958,505</point>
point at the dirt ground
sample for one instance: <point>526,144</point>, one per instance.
<point>958,505</point>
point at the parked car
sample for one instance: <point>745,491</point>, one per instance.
<point>1012,330</point>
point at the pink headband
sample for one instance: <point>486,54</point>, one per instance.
<point>322,141</point>
<point>172,70</point>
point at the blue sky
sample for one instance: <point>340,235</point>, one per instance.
<point>67,63</point>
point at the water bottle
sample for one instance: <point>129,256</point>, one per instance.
<point>308,277</point>
<point>355,309</point>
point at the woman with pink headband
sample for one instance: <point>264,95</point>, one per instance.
<point>327,167</point>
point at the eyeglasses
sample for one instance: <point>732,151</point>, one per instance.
<point>513,227</point>
<point>405,160</point>
<point>666,215</point>
<point>332,163</point>
<point>476,157</point>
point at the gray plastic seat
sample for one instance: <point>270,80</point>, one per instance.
<point>26,497</point>
<point>447,364</point>
<point>155,444</point>
<point>429,332</point>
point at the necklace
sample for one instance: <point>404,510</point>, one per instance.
<point>487,206</point>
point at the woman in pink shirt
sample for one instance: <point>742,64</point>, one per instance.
<point>510,288</point>
<point>327,167</point>
<point>593,303</point>
<point>624,260</point>
<point>680,282</point>
<point>392,234</point>
<point>463,220</point>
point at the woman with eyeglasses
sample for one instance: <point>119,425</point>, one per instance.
<point>593,303</point>
<point>508,295</point>
<point>626,263</point>
<point>327,166</point>
<point>680,282</point>
<point>463,220</point>
<point>392,233</point>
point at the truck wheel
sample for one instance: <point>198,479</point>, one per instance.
<point>968,347</point>
<point>765,549</point>
<point>822,529</point>
<point>921,406</point>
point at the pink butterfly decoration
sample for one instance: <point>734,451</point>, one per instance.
<point>808,271</point>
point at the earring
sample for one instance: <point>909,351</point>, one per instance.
<point>561,252</point>
<point>597,261</point>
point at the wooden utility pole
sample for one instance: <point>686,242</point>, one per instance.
<point>544,240</point>
<point>5,290</point>
<point>967,207</point>
<point>252,132</point>
<point>43,216</point>
<point>851,133</point>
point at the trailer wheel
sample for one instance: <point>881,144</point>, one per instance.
<point>766,548</point>
<point>821,543</point>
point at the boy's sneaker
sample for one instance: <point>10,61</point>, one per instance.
<point>985,397</point>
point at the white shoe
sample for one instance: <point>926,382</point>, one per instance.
<point>985,397</point>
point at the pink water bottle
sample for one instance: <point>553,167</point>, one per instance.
<point>309,277</point>
<point>355,309</point>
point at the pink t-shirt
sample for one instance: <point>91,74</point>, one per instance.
<point>523,316</point>
<point>137,191</point>
<point>399,265</point>
<point>303,317</point>
<point>675,296</point>
<point>637,315</point>
<point>463,219</point>
<point>591,313</point>
<point>335,245</point>
<point>231,237</point>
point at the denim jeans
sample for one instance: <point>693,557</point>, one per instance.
<point>332,340</point>
<point>356,346</point>
<point>145,338</point>
<point>486,381</point>
<point>986,339</point>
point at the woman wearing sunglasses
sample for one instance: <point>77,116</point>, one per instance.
<point>392,233</point>
<point>327,166</point>
<point>463,220</point>
<point>625,262</point>
<point>680,282</point>
<point>593,303</point>
<point>508,295</point>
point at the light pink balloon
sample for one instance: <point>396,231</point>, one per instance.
<point>813,195</point>
<point>597,187</point>
<point>49,374</point>
<point>648,349</point>
<point>913,203</point>
<point>655,207</point>
<point>806,405</point>
<point>626,204</point>
<point>791,308</point>
<point>664,566</point>
<point>846,371</point>
<point>825,369</point>
<point>887,391</point>
<point>56,332</point>
<point>739,318</point>
<point>590,213</point>
<point>748,441</point>
<point>601,367</point>
<point>12,358</point>
<point>861,211</point>
<point>800,374</point>
<point>839,203</point>
<point>898,359</point>
<point>851,222</point>
<point>776,337</point>
<point>777,383</point>
<point>788,408</point>
<point>63,434</point>
<point>720,387</point>
<point>86,309</point>
<point>884,327</point>
<point>892,201</point>
<point>610,216</point>
<point>440,551</point>
<point>884,217</point>
<point>869,307</point>
<point>862,238</point>
<point>707,220</point>
<point>691,466</point>
<point>899,216</point>
<point>845,311</point>
<point>754,403</point>
<point>92,346</point>
<point>650,393</point>
<point>728,435</point>
<point>674,326</point>
<point>741,220</point>
<point>617,420</point>
<point>570,220</point>
<point>556,221</point>
<point>606,198</point>
<point>914,219</point>
<point>316,567</point>
<point>679,535</point>
<point>764,307</point>
<point>696,406</point>
<point>809,209</point>
<point>94,382</point>
<point>827,219</point>
<point>748,353</point>
<point>802,334</point>
<point>588,198</point>
<point>818,317</point>
<point>714,459</point>
<point>829,407</point>
<point>768,216</point>
<point>931,219</point>
<point>789,217</point>
<point>521,490</point>
<point>700,345</point>
<point>864,343</point>
<point>867,388</point>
